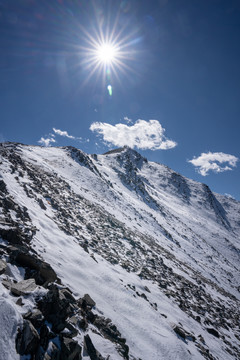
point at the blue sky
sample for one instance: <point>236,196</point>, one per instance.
<point>176,68</point>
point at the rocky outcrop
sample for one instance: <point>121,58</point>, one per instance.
<point>40,270</point>
<point>70,350</point>
<point>60,316</point>
<point>23,287</point>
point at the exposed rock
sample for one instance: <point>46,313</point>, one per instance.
<point>41,204</point>
<point>56,308</point>
<point>180,332</point>
<point>70,330</point>
<point>213,332</point>
<point>7,284</point>
<point>89,301</point>
<point>90,349</point>
<point>23,287</point>
<point>70,350</point>
<point>3,186</point>
<point>185,335</point>
<point>3,266</point>
<point>41,355</point>
<point>36,317</point>
<point>68,295</point>
<point>19,301</point>
<point>45,335</point>
<point>147,289</point>
<point>83,324</point>
<point>47,272</point>
<point>73,320</point>
<point>110,331</point>
<point>13,235</point>
<point>44,273</point>
<point>27,339</point>
<point>55,353</point>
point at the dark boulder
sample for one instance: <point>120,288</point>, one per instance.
<point>41,271</point>
<point>213,332</point>
<point>56,307</point>
<point>3,187</point>
<point>70,350</point>
<point>3,266</point>
<point>91,350</point>
<point>27,339</point>
<point>13,235</point>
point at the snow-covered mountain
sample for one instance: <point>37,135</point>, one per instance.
<point>114,257</point>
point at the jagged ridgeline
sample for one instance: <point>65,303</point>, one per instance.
<point>114,257</point>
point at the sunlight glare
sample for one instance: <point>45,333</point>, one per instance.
<point>106,53</point>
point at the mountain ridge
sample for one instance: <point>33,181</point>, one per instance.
<point>128,225</point>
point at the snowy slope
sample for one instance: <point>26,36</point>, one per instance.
<point>153,249</point>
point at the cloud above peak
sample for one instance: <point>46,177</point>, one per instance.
<point>142,135</point>
<point>63,133</point>
<point>216,162</point>
<point>46,141</point>
<point>50,138</point>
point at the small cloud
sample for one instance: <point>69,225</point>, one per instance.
<point>142,135</point>
<point>50,138</point>
<point>63,133</point>
<point>129,121</point>
<point>213,162</point>
<point>46,141</point>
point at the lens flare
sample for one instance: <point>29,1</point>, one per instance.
<point>109,90</point>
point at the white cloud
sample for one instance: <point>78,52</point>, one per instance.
<point>50,138</point>
<point>63,133</point>
<point>214,161</point>
<point>142,135</point>
<point>46,141</point>
<point>127,120</point>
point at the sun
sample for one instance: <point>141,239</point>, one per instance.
<point>106,53</point>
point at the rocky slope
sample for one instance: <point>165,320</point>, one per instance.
<point>114,257</point>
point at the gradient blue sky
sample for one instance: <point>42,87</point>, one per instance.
<point>180,67</point>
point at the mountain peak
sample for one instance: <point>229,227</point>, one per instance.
<point>118,150</point>
<point>128,154</point>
